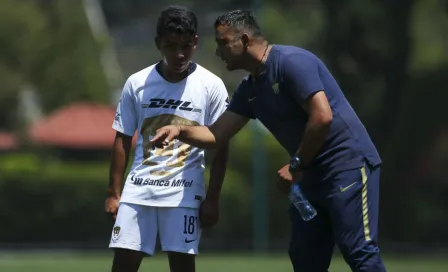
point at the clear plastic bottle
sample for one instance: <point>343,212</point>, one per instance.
<point>304,207</point>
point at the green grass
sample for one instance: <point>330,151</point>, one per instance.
<point>217,263</point>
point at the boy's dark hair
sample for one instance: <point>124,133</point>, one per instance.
<point>240,19</point>
<point>177,19</point>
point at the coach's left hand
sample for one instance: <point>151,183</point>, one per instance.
<point>209,212</point>
<point>284,179</point>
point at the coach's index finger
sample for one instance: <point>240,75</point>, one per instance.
<point>163,137</point>
<point>160,137</point>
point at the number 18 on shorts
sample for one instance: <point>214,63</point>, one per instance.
<point>137,226</point>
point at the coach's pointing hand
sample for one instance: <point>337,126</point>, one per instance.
<point>165,135</point>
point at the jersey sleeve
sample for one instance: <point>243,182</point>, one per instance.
<point>240,102</point>
<point>301,73</point>
<point>219,101</point>
<point>125,116</point>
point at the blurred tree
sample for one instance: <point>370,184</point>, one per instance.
<point>22,37</point>
<point>69,68</point>
<point>392,55</point>
<point>49,46</point>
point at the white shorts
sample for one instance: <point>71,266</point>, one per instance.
<point>137,226</point>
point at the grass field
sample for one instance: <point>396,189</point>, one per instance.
<point>217,263</point>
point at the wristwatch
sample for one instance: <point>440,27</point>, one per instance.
<point>295,164</point>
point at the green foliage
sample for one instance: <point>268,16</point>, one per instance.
<point>429,36</point>
<point>299,26</point>
<point>50,48</point>
<point>41,209</point>
<point>34,165</point>
<point>64,201</point>
<point>21,34</point>
<point>70,69</point>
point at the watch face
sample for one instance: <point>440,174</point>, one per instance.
<point>294,163</point>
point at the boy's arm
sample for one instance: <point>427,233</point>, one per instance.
<point>125,123</point>
<point>118,164</point>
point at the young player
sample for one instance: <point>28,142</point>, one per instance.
<point>164,192</point>
<point>294,95</point>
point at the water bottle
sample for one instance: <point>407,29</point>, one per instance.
<point>304,207</point>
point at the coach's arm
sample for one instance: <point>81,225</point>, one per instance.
<point>302,72</point>
<point>207,137</point>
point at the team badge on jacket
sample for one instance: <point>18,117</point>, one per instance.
<point>275,88</point>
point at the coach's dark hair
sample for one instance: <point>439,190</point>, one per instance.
<point>177,19</point>
<point>240,19</point>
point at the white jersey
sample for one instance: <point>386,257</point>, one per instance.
<point>172,176</point>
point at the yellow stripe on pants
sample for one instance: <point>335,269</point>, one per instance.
<point>365,208</point>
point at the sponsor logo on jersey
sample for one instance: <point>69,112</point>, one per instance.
<point>162,182</point>
<point>171,104</point>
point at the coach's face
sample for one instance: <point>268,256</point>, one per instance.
<point>229,47</point>
<point>177,50</point>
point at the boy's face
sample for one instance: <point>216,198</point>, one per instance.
<point>177,50</point>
